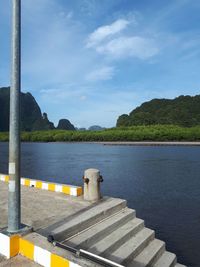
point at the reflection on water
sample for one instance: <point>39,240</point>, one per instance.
<point>161,183</point>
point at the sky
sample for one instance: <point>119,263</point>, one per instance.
<point>92,60</point>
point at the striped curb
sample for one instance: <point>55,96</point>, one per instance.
<point>4,177</point>
<point>43,256</point>
<point>11,246</point>
<point>71,190</point>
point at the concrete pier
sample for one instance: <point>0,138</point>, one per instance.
<point>107,229</point>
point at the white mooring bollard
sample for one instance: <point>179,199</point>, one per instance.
<point>92,180</point>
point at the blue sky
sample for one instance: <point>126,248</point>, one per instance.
<point>93,60</point>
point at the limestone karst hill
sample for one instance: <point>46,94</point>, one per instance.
<point>182,111</point>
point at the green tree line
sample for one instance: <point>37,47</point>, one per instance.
<point>134,133</point>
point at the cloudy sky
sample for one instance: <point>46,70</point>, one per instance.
<point>93,60</point>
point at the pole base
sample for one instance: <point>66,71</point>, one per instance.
<point>24,229</point>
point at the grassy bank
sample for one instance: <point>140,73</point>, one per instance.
<point>137,133</point>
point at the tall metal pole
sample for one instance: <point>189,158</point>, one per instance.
<point>14,201</point>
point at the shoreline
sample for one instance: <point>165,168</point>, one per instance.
<point>120,143</point>
<point>151,143</point>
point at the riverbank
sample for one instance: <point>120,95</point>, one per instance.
<point>150,143</point>
<point>155,133</point>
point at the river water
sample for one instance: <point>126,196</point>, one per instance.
<point>161,182</point>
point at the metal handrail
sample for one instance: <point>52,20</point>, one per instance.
<point>88,255</point>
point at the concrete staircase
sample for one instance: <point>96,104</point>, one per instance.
<point>111,230</point>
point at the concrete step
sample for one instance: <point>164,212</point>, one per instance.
<point>117,238</point>
<point>166,260</point>
<point>97,232</point>
<point>134,246</point>
<point>180,265</point>
<point>84,220</point>
<point>149,255</point>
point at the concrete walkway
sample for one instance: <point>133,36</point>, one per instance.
<point>41,208</point>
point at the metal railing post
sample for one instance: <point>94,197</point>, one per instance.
<point>14,201</point>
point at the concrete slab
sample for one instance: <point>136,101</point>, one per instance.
<point>1,259</point>
<point>41,208</point>
<point>18,261</point>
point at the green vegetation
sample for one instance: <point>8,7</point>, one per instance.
<point>136,133</point>
<point>182,111</point>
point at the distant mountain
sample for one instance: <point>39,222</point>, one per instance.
<point>96,128</point>
<point>183,111</point>
<point>31,116</point>
<point>65,124</point>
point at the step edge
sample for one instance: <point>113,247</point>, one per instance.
<point>97,236</point>
<point>119,242</point>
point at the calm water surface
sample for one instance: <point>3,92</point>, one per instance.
<point>161,183</point>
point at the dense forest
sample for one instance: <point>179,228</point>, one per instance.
<point>182,111</point>
<point>134,133</point>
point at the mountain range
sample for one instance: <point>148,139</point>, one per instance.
<point>182,111</point>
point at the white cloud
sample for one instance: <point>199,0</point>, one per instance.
<point>111,40</point>
<point>104,73</point>
<point>135,46</point>
<point>103,32</point>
